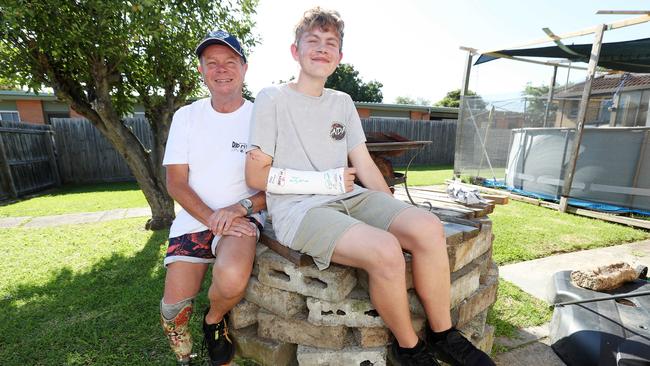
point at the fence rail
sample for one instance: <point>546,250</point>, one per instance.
<point>27,159</point>
<point>84,155</point>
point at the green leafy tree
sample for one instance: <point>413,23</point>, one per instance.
<point>104,57</point>
<point>346,79</point>
<point>409,100</point>
<point>535,99</point>
<point>7,84</point>
<point>452,99</point>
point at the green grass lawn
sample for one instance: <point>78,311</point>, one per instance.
<point>85,198</point>
<point>88,294</point>
<point>426,175</point>
<point>523,232</point>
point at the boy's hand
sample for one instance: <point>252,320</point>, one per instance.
<point>348,177</point>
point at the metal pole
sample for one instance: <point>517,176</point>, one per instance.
<point>459,124</point>
<point>551,91</point>
<point>582,115</point>
<point>604,298</point>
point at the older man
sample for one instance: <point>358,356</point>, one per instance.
<point>220,219</point>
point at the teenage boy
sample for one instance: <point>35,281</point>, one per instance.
<point>220,219</point>
<point>302,137</point>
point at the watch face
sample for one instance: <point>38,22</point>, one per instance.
<point>247,203</point>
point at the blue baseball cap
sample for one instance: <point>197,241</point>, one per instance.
<point>219,36</point>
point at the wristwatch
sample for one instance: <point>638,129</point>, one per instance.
<point>248,205</point>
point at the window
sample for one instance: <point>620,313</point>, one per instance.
<point>9,116</point>
<point>632,109</point>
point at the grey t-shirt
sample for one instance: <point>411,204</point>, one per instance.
<point>303,132</point>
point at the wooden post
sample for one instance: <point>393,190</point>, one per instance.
<point>49,144</point>
<point>459,124</point>
<point>551,91</point>
<point>582,115</point>
<point>5,171</point>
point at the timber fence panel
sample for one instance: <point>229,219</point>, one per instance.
<point>27,159</point>
<point>86,156</point>
<point>442,135</point>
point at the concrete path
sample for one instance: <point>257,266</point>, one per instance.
<point>534,276</point>
<point>75,218</point>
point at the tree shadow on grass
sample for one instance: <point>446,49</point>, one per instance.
<point>106,316</point>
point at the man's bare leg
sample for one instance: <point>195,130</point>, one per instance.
<point>183,281</point>
<point>379,253</point>
<point>422,234</point>
<point>230,275</point>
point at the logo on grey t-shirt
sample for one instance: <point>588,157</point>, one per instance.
<point>338,131</point>
<point>239,146</point>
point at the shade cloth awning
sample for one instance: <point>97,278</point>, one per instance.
<point>630,56</point>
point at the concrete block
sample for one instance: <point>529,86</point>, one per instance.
<point>482,299</point>
<point>381,336</point>
<point>349,356</point>
<point>354,311</point>
<point>283,303</point>
<point>464,252</point>
<point>259,249</point>
<point>298,330</point>
<point>485,342</point>
<point>474,328</point>
<point>332,284</point>
<point>243,314</point>
<point>266,352</point>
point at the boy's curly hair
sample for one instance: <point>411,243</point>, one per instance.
<point>324,19</point>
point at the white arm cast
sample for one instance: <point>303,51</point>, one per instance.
<point>289,181</point>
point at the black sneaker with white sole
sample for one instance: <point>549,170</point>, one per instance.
<point>218,342</point>
<point>456,350</point>
<point>418,356</point>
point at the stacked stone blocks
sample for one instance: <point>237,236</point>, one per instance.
<point>300,315</point>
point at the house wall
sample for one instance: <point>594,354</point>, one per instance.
<point>31,111</point>
<point>567,114</point>
<point>363,112</point>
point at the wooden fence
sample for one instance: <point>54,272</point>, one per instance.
<point>442,135</point>
<point>86,156</point>
<point>27,159</point>
<point>83,155</point>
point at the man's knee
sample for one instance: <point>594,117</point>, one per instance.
<point>231,280</point>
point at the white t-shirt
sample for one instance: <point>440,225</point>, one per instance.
<point>214,146</point>
<point>304,132</point>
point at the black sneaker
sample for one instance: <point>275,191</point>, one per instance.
<point>218,342</point>
<point>456,350</point>
<point>420,357</point>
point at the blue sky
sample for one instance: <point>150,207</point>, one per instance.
<point>412,46</point>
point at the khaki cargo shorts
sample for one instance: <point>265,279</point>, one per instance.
<point>324,225</point>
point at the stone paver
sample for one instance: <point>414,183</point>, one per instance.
<point>67,219</point>
<point>8,222</point>
<point>524,336</point>
<point>74,218</point>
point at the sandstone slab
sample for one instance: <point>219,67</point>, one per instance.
<point>279,302</point>
<point>266,352</point>
<point>243,314</point>
<point>299,331</point>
